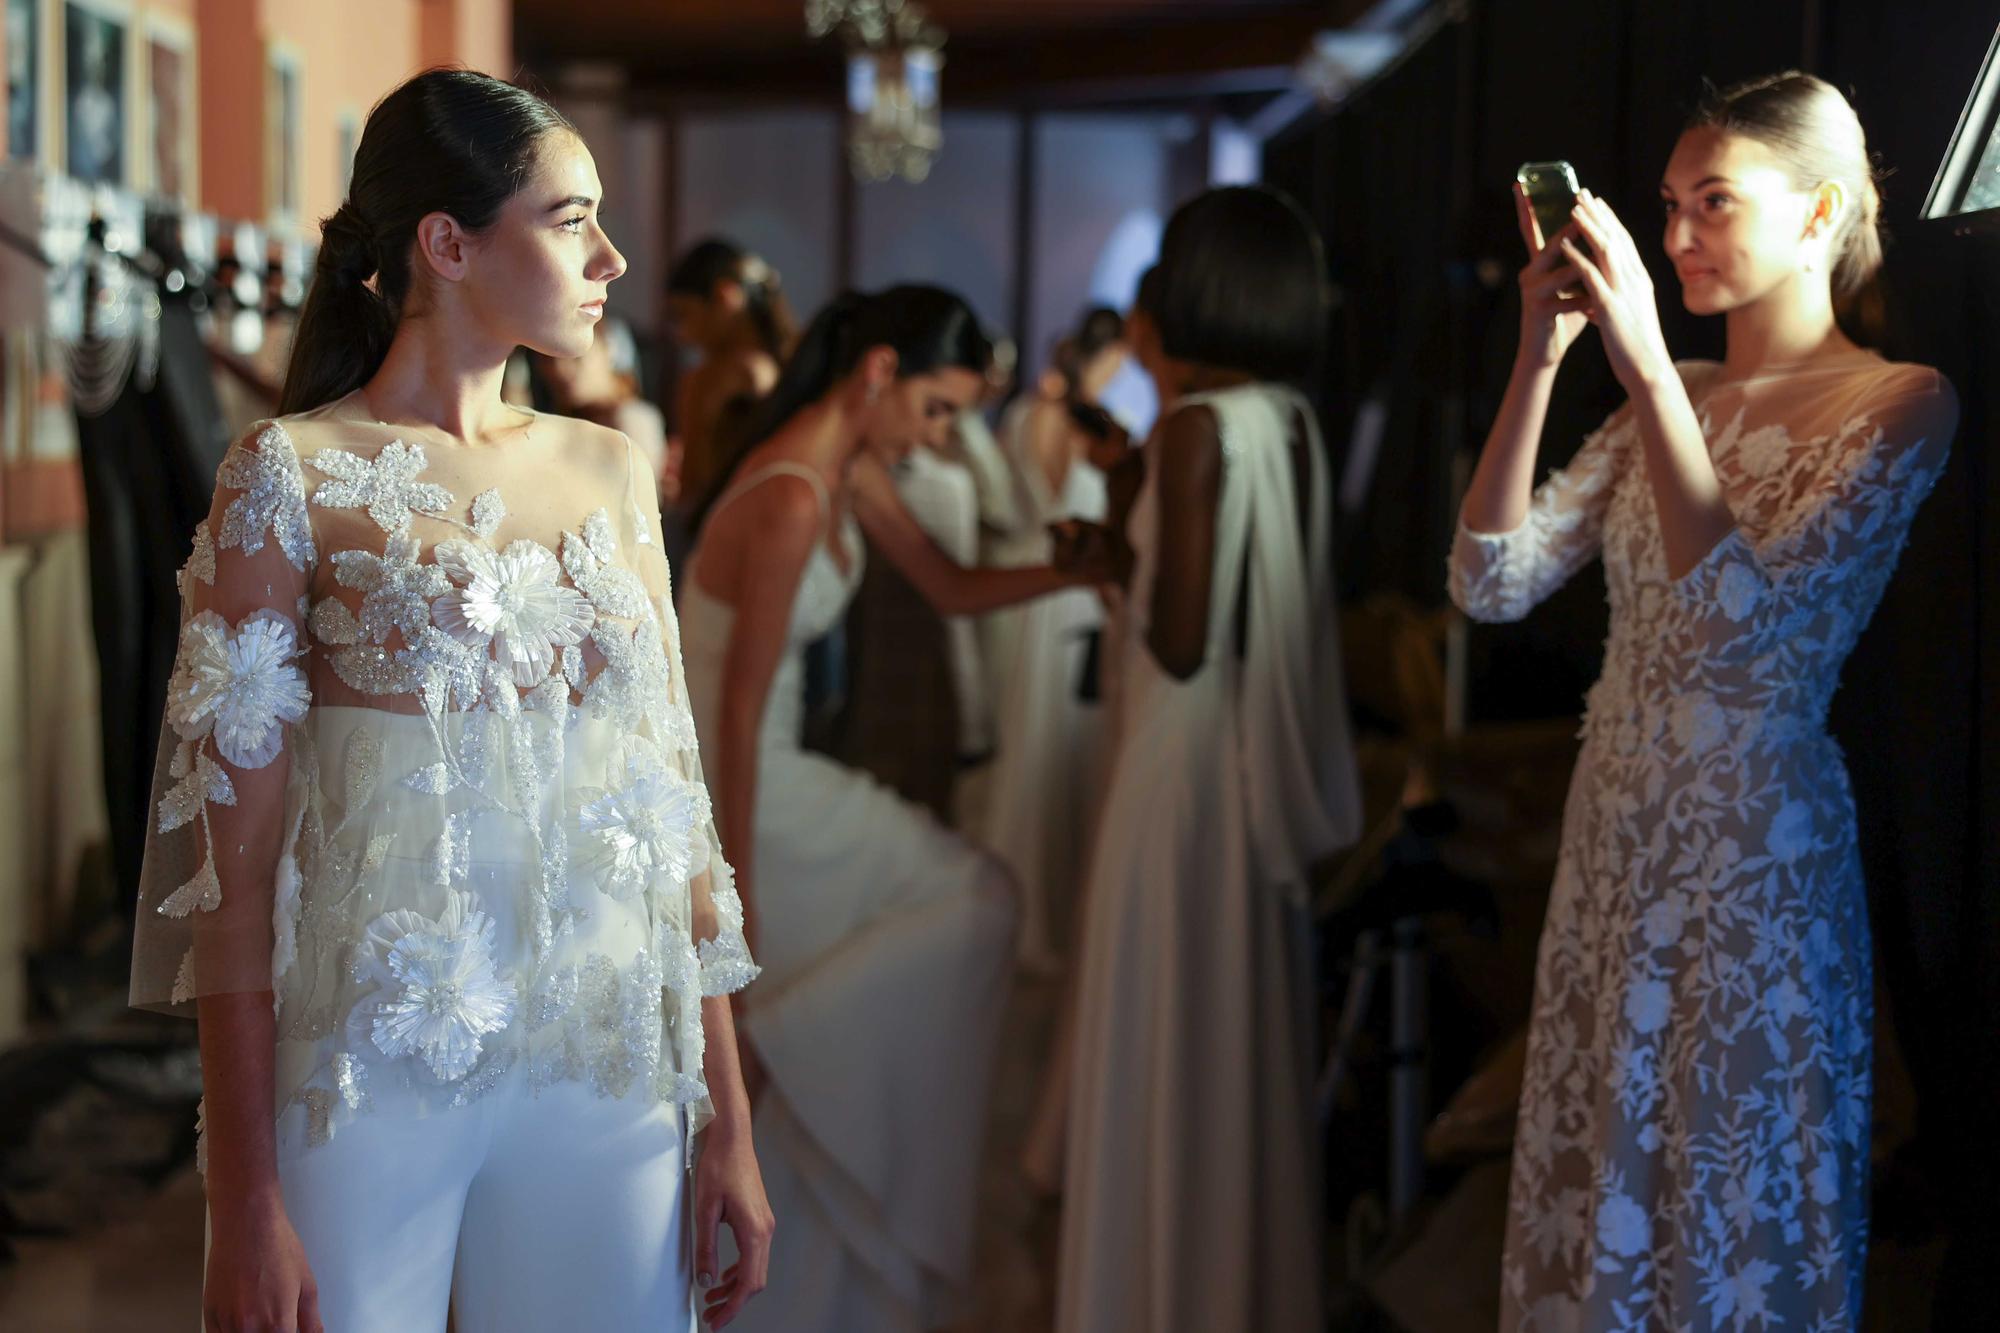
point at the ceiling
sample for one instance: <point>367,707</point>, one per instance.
<point>999,51</point>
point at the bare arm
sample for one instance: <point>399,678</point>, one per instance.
<point>1189,458</point>
<point>772,531</point>
<point>729,1186</point>
<point>1497,499</point>
<point>950,588</point>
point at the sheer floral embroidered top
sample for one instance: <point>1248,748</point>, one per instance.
<point>428,774</point>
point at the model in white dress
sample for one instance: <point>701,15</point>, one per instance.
<point>1043,792</point>
<point>886,943</point>
<point>1694,1126</point>
<point>1191,1195</point>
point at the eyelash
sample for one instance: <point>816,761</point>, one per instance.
<point>1668,205</point>
<point>574,226</point>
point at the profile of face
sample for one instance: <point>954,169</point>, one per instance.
<point>537,277</point>
<point>914,411</point>
<point>1736,226</point>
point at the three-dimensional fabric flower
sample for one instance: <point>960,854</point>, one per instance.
<point>442,993</point>
<point>512,599</point>
<point>645,831</point>
<point>238,684</point>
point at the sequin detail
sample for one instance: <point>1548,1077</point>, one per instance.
<point>267,472</point>
<point>386,486</point>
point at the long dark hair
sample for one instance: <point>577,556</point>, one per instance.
<point>1814,134</point>
<point>716,260</point>
<point>928,328</point>
<point>447,141</point>
<point>1241,284</point>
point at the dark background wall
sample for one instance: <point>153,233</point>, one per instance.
<point>1428,329</point>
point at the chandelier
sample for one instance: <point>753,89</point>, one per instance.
<point>893,59</point>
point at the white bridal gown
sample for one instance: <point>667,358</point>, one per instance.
<point>886,943</point>
<point>1044,787</point>
<point>1692,1150</point>
<point>1191,1199</point>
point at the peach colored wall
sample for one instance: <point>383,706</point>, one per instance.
<point>349,52</point>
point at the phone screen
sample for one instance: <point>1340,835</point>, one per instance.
<point>1551,189</point>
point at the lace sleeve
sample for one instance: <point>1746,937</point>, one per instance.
<point>715,913</point>
<point>1500,576</point>
<point>217,846</point>
<point>1840,531</point>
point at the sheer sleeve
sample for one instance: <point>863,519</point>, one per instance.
<point>1838,525</point>
<point>217,847</point>
<point>1500,576</point>
<point>714,912</point>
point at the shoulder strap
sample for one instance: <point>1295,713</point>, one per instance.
<point>783,467</point>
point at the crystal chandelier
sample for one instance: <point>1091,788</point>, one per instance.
<point>894,55</point>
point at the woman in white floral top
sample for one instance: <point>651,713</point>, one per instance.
<point>432,858</point>
<point>1692,1150</point>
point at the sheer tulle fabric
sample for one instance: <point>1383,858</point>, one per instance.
<point>1693,1141</point>
<point>429,775</point>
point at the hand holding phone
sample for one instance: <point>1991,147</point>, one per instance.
<point>1553,302</point>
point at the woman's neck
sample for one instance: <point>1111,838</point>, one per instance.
<point>738,339</point>
<point>1206,379</point>
<point>826,436</point>
<point>1788,326</point>
<point>434,379</point>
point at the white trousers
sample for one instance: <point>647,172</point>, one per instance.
<point>525,1214</point>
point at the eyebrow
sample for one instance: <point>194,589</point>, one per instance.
<point>574,201</point>
<point>1700,184</point>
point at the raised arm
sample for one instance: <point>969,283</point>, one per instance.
<point>950,588</point>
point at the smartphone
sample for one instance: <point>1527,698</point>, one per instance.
<point>1551,189</point>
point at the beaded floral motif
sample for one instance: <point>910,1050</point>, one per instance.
<point>386,486</point>
<point>273,497</point>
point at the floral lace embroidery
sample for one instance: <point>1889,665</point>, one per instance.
<point>386,486</point>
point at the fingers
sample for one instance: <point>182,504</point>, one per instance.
<point>708,1217</point>
<point>1531,230</point>
<point>309,1320</point>
<point>1593,278</point>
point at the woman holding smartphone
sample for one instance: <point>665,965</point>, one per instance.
<point>1694,1124</point>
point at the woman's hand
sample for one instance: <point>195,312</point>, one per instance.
<point>1620,296</point>
<point>1552,308</point>
<point>728,1188</point>
<point>1090,552</point>
<point>258,1279</point>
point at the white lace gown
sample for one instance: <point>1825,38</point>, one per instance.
<point>1044,788</point>
<point>1191,1199</point>
<point>1692,1150</point>
<point>429,776</point>
<point>886,943</point>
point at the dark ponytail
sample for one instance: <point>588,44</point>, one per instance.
<point>928,328</point>
<point>717,260</point>
<point>447,141</point>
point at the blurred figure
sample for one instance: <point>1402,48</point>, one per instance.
<point>886,940</point>
<point>1191,1196</point>
<point>1042,798</point>
<point>725,304</point>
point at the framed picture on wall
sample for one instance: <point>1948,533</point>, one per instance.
<point>170,138</point>
<point>24,78</point>
<point>95,100</point>
<point>282,135</point>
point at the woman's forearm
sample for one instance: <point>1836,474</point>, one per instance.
<point>722,1069</point>
<point>239,1042</point>
<point>736,790</point>
<point>1687,495</point>
<point>970,592</point>
<point>1504,481</point>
